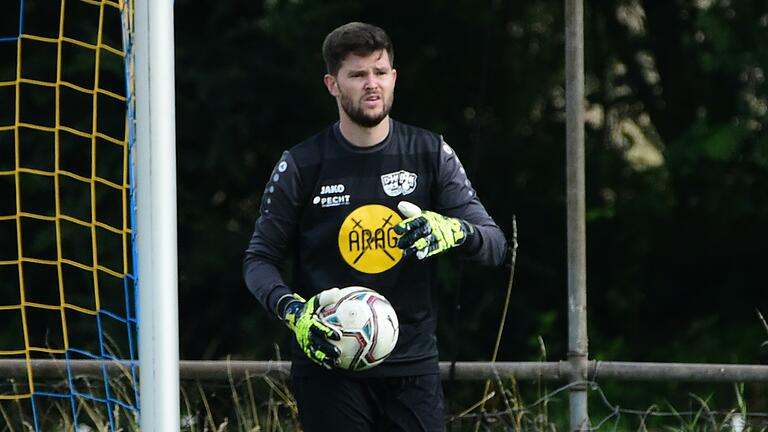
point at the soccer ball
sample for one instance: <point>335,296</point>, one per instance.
<point>368,326</point>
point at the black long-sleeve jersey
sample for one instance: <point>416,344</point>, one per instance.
<point>333,206</point>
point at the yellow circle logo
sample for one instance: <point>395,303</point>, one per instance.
<point>367,239</point>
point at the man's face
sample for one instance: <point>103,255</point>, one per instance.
<point>364,87</point>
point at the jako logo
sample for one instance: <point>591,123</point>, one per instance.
<point>329,189</point>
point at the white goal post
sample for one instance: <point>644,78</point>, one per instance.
<point>155,162</point>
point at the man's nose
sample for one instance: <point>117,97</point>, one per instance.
<point>370,82</point>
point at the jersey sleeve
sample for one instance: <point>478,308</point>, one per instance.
<point>274,233</point>
<point>457,198</point>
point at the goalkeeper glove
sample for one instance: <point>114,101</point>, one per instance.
<point>311,333</point>
<point>428,233</point>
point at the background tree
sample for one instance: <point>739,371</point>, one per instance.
<point>677,162</point>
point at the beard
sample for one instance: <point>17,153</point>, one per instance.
<point>358,115</point>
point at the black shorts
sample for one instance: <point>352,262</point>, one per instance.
<point>333,402</point>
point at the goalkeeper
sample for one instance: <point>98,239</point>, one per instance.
<point>367,201</point>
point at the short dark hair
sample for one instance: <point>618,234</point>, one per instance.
<point>354,38</point>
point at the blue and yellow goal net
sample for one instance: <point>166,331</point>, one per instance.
<point>67,264</point>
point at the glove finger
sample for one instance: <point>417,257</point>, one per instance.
<point>319,343</point>
<point>422,253</point>
<point>327,297</point>
<point>414,234</point>
<point>325,331</point>
<point>432,248</point>
<point>408,209</point>
<point>324,352</point>
<point>312,306</point>
<point>318,357</point>
<point>425,243</point>
<point>331,363</point>
<point>420,247</point>
<point>424,247</point>
<point>409,251</point>
<point>403,226</point>
<point>410,224</point>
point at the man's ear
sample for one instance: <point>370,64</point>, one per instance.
<point>331,85</point>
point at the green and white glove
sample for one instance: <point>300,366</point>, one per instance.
<point>311,334</point>
<point>427,233</point>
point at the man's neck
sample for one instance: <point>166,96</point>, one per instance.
<point>362,136</point>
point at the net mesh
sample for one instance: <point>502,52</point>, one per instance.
<point>67,279</point>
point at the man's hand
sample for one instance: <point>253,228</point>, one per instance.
<point>428,233</point>
<point>311,334</point>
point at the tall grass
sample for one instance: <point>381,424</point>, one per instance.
<point>265,403</point>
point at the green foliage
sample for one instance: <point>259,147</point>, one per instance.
<point>677,178</point>
<point>677,163</point>
<point>676,147</point>
<point>704,141</point>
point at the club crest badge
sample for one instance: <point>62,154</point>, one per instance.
<point>399,183</point>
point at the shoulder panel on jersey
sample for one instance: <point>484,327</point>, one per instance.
<point>309,156</point>
<point>426,140</point>
<point>312,150</point>
<point>455,189</point>
<point>283,190</point>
